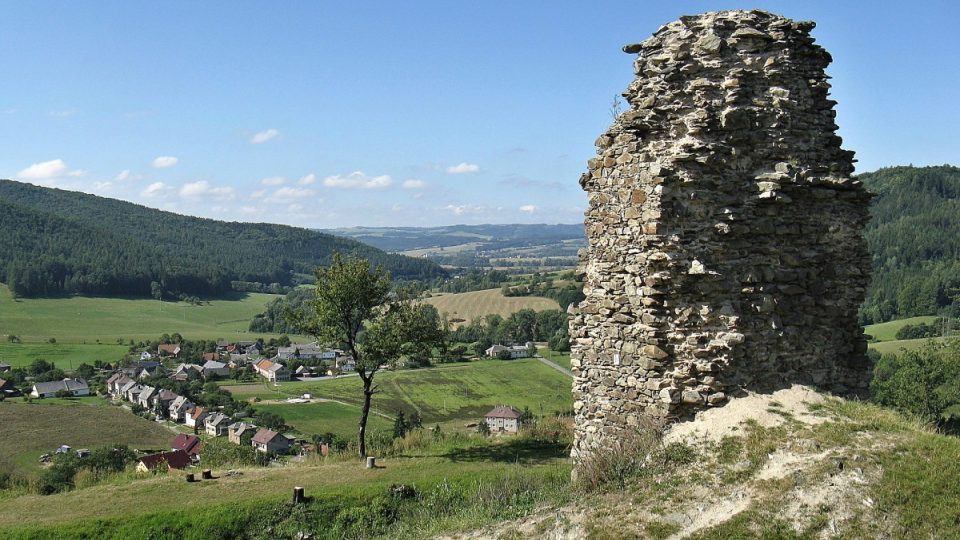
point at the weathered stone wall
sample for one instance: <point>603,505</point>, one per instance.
<point>725,248</point>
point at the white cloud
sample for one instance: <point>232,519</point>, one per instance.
<point>122,176</point>
<point>529,208</point>
<point>164,162</point>
<point>154,189</point>
<point>358,180</point>
<point>61,114</point>
<point>273,181</point>
<point>289,194</point>
<point>55,168</point>
<point>102,186</point>
<point>203,188</point>
<point>463,168</point>
<point>295,208</point>
<point>461,209</point>
<point>264,136</point>
<point>413,184</point>
<point>259,194</point>
<point>307,180</point>
<point>250,210</point>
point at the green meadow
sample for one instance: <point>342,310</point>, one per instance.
<point>87,320</point>
<point>320,417</point>
<point>888,331</point>
<point>64,355</point>
<point>449,394</point>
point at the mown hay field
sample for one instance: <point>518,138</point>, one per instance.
<point>471,305</point>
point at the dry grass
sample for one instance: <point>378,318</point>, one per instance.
<point>471,305</point>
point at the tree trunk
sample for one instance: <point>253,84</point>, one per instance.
<point>367,394</point>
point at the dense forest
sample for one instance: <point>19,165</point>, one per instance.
<point>56,242</point>
<point>914,235</point>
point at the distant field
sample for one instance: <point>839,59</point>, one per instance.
<point>886,347</point>
<point>556,357</point>
<point>64,355</point>
<point>471,305</point>
<point>888,331</point>
<point>32,429</point>
<point>320,417</point>
<point>449,394</point>
<point>82,319</point>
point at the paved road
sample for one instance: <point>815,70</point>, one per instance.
<point>556,366</point>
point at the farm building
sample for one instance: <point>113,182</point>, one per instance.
<point>176,459</point>
<point>213,368</point>
<point>190,444</point>
<point>241,432</point>
<point>217,424</point>
<point>195,417</point>
<point>76,387</point>
<point>272,371</point>
<point>516,351</point>
<point>503,419</point>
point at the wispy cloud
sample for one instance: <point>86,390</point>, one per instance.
<point>516,180</point>
<point>273,181</point>
<point>264,136</point>
<point>164,162</point>
<point>46,170</point>
<point>204,189</point>
<point>61,114</point>
<point>413,184</point>
<point>463,168</point>
<point>358,180</point>
<point>529,208</point>
<point>307,180</point>
<point>154,189</point>
<point>289,194</point>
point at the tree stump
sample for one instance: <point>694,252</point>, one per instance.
<point>190,477</point>
<point>371,462</point>
<point>207,474</point>
<point>298,497</point>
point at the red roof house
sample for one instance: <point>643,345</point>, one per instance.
<point>177,459</point>
<point>190,444</point>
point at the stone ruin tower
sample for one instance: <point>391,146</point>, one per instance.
<point>725,248</point>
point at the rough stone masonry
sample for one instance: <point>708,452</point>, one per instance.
<point>725,247</point>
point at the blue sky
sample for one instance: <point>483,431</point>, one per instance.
<point>324,114</point>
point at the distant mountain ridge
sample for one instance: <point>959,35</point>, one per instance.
<point>55,242</point>
<point>397,239</point>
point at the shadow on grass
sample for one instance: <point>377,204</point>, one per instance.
<point>526,451</point>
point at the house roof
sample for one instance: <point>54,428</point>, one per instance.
<point>187,443</point>
<point>180,403</point>
<point>176,459</point>
<point>216,419</point>
<point>167,395</point>
<point>265,436</point>
<point>503,411</point>
<point>210,356</point>
<point>211,364</point>
<point>240,428</point>
<point>197,412</point>
<point>147,392</point>
<point>172,348</point>
<point>66,384</point>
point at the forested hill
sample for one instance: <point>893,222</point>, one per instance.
<point>914,235</point>
<point>56,242</point>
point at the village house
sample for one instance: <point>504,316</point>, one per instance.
<point>76,387</point>
<point>217,424</point>
<point>178,409</point>
<point>208,356</point>
<point>213,368</point>
<point>191,444</point>
<point>266,441</point>
<point>272,371</point>
<point>187,372</point>
<point>148,397</point>
<point>305,351</point>
<point>116,382</point>
<point>169,349</point>
<point>142,369</point>
<point>503,419</point>
<point>516,351</point>
<point>7,389</point>
<point>164,399</point>
<point>176,459</point>
<point>241,432</point>
<point>196,416</point>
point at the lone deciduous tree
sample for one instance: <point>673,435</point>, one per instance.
<point>354,306</point>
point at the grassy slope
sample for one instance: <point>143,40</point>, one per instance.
<point>888,331</point>
<point>83,319</point>
<point>64,355</point>
<point>32,429</point>
<point>561,358</point>
<point>133,502</point>
<point>475,304</point>
<point>320,417</point>
<point>449,394</point>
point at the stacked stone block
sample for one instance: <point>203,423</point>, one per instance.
<point>725,247</point>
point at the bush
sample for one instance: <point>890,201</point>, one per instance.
<point>924,382</point>
<point>220,452</point>
<point>63,393</point>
